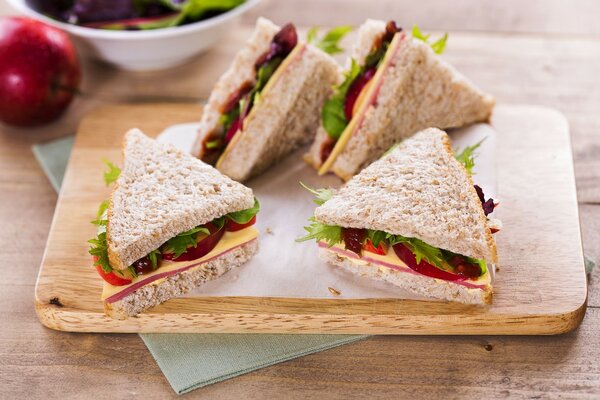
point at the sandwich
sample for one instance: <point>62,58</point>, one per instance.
<point>414,219</point>
<point>266,104</point>
<point>395,85</point>
<point>172,223</point>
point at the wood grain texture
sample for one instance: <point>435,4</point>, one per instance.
<point>534,294</point>
<point>551,70</point>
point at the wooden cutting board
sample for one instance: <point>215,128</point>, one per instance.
<point>540,286</point>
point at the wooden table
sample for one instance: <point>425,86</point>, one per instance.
<point>554,60</point>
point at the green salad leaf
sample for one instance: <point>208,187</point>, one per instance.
<point>194,10</point>
<point>153,257</point>
<point>112,174</point>
<point>244,216</point>
<point>180,243</point>
<point>101,214</point>
<point>467,156</point>
<point>100,250</point>
<point>332,115</point>
<point>318,231</point>
<point>227,119</point>
<point>264,73</point>
<point>420,249</point>
<point>376,237</point>
<point>438,46</point>
<point>322,195</point>
<point>329,43</point>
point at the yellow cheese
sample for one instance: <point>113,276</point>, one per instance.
<point>228,241</point>
<point>363,104</point>
<point>272,80</point>
<point>392,258</point>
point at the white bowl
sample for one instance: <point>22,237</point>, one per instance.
<point>150,49</point>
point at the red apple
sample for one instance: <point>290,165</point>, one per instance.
<point>39,72</point>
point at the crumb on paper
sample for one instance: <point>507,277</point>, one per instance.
<point>269,231</point>
<point>333,291</point>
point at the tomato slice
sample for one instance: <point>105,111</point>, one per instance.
<point>354,91</point>
<point>233,129</point>
<point>232,226</point>
<point>113,277</point>
<point>381,249</point>
<point>423,267</point>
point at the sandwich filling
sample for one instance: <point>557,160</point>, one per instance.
<point>400,253</point>
<point>406,254</point>
<point>343,114</point>
<point>230,241</point>
<point>339,110</point>
<point>240,103</point>
<point>191,245</point>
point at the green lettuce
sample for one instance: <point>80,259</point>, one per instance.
<point>329,43</point>
<point>467,156</point>
<point>112,174</point>
<point>438,46</point>
<point>244,216</point>
<point>332,115</point>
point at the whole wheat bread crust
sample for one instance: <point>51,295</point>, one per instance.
<point>421,191</point>
<point>417,284</point>
<point>179,284</point>
<point>160,193</point>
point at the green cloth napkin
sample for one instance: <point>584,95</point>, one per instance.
<point>191,361</point>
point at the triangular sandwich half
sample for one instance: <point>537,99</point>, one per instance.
<point>266,104</point>
<point>395,85</point>
<point>172,223</point>
<point>414,219</point>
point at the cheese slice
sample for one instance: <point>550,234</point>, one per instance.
<point>294,54</point>
<point>167,268</point>
<point>391,261</point>
<point>363,101</point>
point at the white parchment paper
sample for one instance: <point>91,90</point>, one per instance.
<point>285,268</point>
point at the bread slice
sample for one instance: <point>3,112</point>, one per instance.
<point>420,191</point>
<point>419,284</point>
<point>161,193</point>
<point>418,90</point>
<point>176,285</point>
<point>240,71</point>
<point>287,115</point>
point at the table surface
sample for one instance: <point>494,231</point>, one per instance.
<point>524,53</point>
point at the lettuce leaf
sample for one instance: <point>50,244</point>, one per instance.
<point>438,46</point>
<point>112,174</point>
<point>329,43</point>
<point>180,243</point>
<point>322,195</point>
<point>321,232</point>
<point>153,257</point>
<point>100,250</point>
<point>420,249</point>
<point>467,156</point>
<point>244,216</point>
<point>332,115</point>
